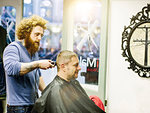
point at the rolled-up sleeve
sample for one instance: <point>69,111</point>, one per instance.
<point>11,60</point>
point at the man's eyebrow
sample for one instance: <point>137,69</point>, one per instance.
<point>38,33</point>
<point>76,63</point>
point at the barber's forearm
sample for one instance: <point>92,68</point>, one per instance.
<point>42,64</point>
<point>41,84</point>
<point>27,67</point>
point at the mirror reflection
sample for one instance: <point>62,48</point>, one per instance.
<point>140,44</point>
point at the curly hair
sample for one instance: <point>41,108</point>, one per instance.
<point>26,25</point>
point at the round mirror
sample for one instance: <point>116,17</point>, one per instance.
<point>136,42</point>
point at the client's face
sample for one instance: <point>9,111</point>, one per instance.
<point>73,68</point>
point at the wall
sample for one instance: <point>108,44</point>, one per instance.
<point>126,91</point>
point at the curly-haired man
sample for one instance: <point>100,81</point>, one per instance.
<point>22,65</point>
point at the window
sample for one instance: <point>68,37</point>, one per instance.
<point>53,12</point>
<point>8,21</point>
<point>87,18</point>
<point>50,45</point>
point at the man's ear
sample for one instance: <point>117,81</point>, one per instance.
<point>62,66</point>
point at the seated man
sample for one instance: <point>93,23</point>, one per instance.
<point>64,94</point>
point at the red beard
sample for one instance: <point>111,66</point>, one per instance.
<point>31,46</point>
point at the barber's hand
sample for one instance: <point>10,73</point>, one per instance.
<point>45,64</point>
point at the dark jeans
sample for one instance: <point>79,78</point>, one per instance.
<point>1,106</point>
<point>19,109</point>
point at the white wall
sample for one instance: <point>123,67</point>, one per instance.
<point>126,91</point>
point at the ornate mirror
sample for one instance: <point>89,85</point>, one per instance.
<point>136,42</point>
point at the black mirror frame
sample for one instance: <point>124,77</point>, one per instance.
<point>140,18</point>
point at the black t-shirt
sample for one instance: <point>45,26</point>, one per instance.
<point>2,80</point>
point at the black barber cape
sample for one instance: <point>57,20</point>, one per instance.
<point>61,96</point>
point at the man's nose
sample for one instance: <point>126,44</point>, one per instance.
<point>39,37</point>
<point>79,68</point>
